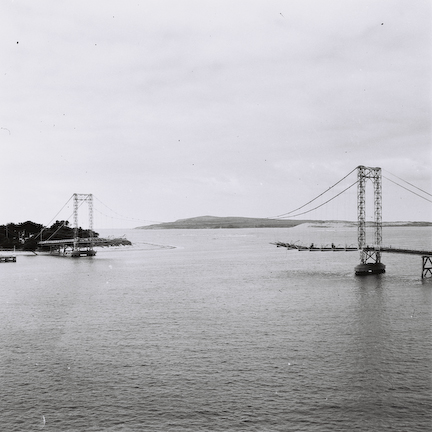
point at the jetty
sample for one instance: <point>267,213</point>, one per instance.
<point>7,258</point>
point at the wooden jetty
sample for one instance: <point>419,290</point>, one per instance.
<point>7,258</point>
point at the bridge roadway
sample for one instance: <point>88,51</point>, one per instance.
<point>82,242</point>
<point>81,246</point>
<point>326,248</point>
<point>399,250</point>
<point>77,247</point>
<point>425,254</point>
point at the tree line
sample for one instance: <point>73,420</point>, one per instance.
<point>26,235</point>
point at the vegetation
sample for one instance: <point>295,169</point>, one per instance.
<point>26,235</point>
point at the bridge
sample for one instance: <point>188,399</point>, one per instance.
<point>79,246</point>
<point>370,255</point>
<point>76,246</point>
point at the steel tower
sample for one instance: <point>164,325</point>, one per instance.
<point>78,200</point>
<point>370,257</point>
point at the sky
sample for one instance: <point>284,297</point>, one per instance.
<point>167,109</point>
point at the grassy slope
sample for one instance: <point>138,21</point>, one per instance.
<point>206,222</point>
<point>214,222</point>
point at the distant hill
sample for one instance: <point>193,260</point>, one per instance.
<point>214,222</point>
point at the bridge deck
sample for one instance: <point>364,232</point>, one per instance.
<point>82,242</point>
<point>312,248</point>
<point>400,250</point>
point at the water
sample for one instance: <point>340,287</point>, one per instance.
<point>223,332</point>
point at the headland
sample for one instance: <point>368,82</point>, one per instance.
<point>216,222</point>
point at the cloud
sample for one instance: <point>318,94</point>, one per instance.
<point>235,105</point>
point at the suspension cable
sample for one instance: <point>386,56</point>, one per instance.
<point>317,207</point>
<point>312,200</point>
<point>427,193</point>
<point>56,231</point>
<point>64,222</point>
<point>121,217</point>
<point>67,202</point>
<point>49,223</point>
<point>403,187</point>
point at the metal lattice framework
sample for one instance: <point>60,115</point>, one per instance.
<point>78,199</point>
<point>426,266</point>
<point>373,174</point>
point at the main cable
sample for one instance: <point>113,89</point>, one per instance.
<point>64,221</point>
<point>67,202</point>
<point>312,200</point>
<point>409,190</point>
<point>427,193</point>
<point>317,207</point>
<point>121,217</point>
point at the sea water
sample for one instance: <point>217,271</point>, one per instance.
<point>217,330</point>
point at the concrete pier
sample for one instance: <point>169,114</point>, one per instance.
<point>369,268</point>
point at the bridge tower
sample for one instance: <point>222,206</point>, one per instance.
<point>78,200</point>
<point>370,257</point>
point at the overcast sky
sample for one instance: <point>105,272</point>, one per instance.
<point>173,109</point>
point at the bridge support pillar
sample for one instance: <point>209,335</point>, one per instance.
<point>370,258</point>
<point>77,250</point>
<point>369,268</point>
<point>426,266</point>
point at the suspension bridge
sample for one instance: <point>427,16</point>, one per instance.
<point>370,254</point>
<point>77,246</point>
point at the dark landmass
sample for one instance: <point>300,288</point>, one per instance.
<point>116,241</point>
<point>411,224</point>
<point>215,222</point>
<point>25,236</point>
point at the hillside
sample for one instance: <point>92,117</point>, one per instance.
<point>214,222</point>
